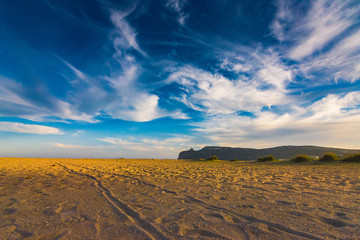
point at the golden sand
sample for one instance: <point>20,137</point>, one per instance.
<point>173,199</point>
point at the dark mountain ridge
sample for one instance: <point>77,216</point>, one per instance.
<point>281,152</point>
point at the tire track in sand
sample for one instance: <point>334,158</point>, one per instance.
<point>216,208</point>
<point>254,219</point>
<point>129,177</point>
<point>123,209</point>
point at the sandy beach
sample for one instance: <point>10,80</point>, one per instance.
<point>177,199</point>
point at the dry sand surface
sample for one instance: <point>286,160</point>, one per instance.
<point>172,199</point>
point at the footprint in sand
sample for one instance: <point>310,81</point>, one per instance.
<point>9,211</point>
<point>296,213</point>
<point>334,222</point>
<point>12,201</point>
<point>173,227</point>
<point>8,230</point>
<point>342,215</point>
<point>13,231</point>
<point>219,198</point>
<point>173,217</point>
<point>203,234</point>
<point>66,210</point>
<point>213,217</point>
<point>49,212</point>
<point>248,206</point>
<point>285,203</point>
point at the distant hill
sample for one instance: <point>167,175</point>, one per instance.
<point>282,152</point>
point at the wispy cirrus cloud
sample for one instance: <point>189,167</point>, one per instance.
<point>132,103</point>
<point>18,100</point>
<point>178,6</point>
<point>29,128</point>
<point>118,93</point>
<point>322,37</point>
<point>8,92</point>
<point>340,62</point>
<point>127,100</point>
<point>125,37</point>
<point>282,19</point>
<point>79,74</point>
<point>79,147</point>
<point>324,21</point>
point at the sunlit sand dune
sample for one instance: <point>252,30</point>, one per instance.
<point>175,199</point>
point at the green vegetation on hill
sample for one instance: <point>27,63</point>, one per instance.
<point>352,158</point>
<point>213,158</point>
<point>268,158</point>
<point>301,158</point>
<point>328,157</point>
<point>243,154</point>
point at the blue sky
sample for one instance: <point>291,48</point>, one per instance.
<point>97,78</point>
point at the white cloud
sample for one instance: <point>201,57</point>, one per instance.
<point>149,144</point>
<point>80,147</point>
<point>131,102</point>
<point>151,147</point>
<point>80,151</point>
<point>8,91</point>
<point>215,94</point>
<point>118,94</point>
<point>67,111</point>
<point>78,133</point>
<point>237,65</point>
<point>273,71</point>
<point>141,107</point>
<point>325,20</point>
<point>283,16</point>
<point>76,71</point>
<point>126,144</point>
<point>275,76</point>
<point>182,18</point>
<point>332,121</point>
<point>126,35</point>
<point>350,44</point>
<point>15,96</point>
<point>28,128</point>
<point>177,6</point>
<point>335,106</point>
<point>325,40</point>
<point>342,61</point>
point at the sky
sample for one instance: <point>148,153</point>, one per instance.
<point>148,79</point>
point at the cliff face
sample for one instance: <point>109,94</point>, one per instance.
<point>283,152</point>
